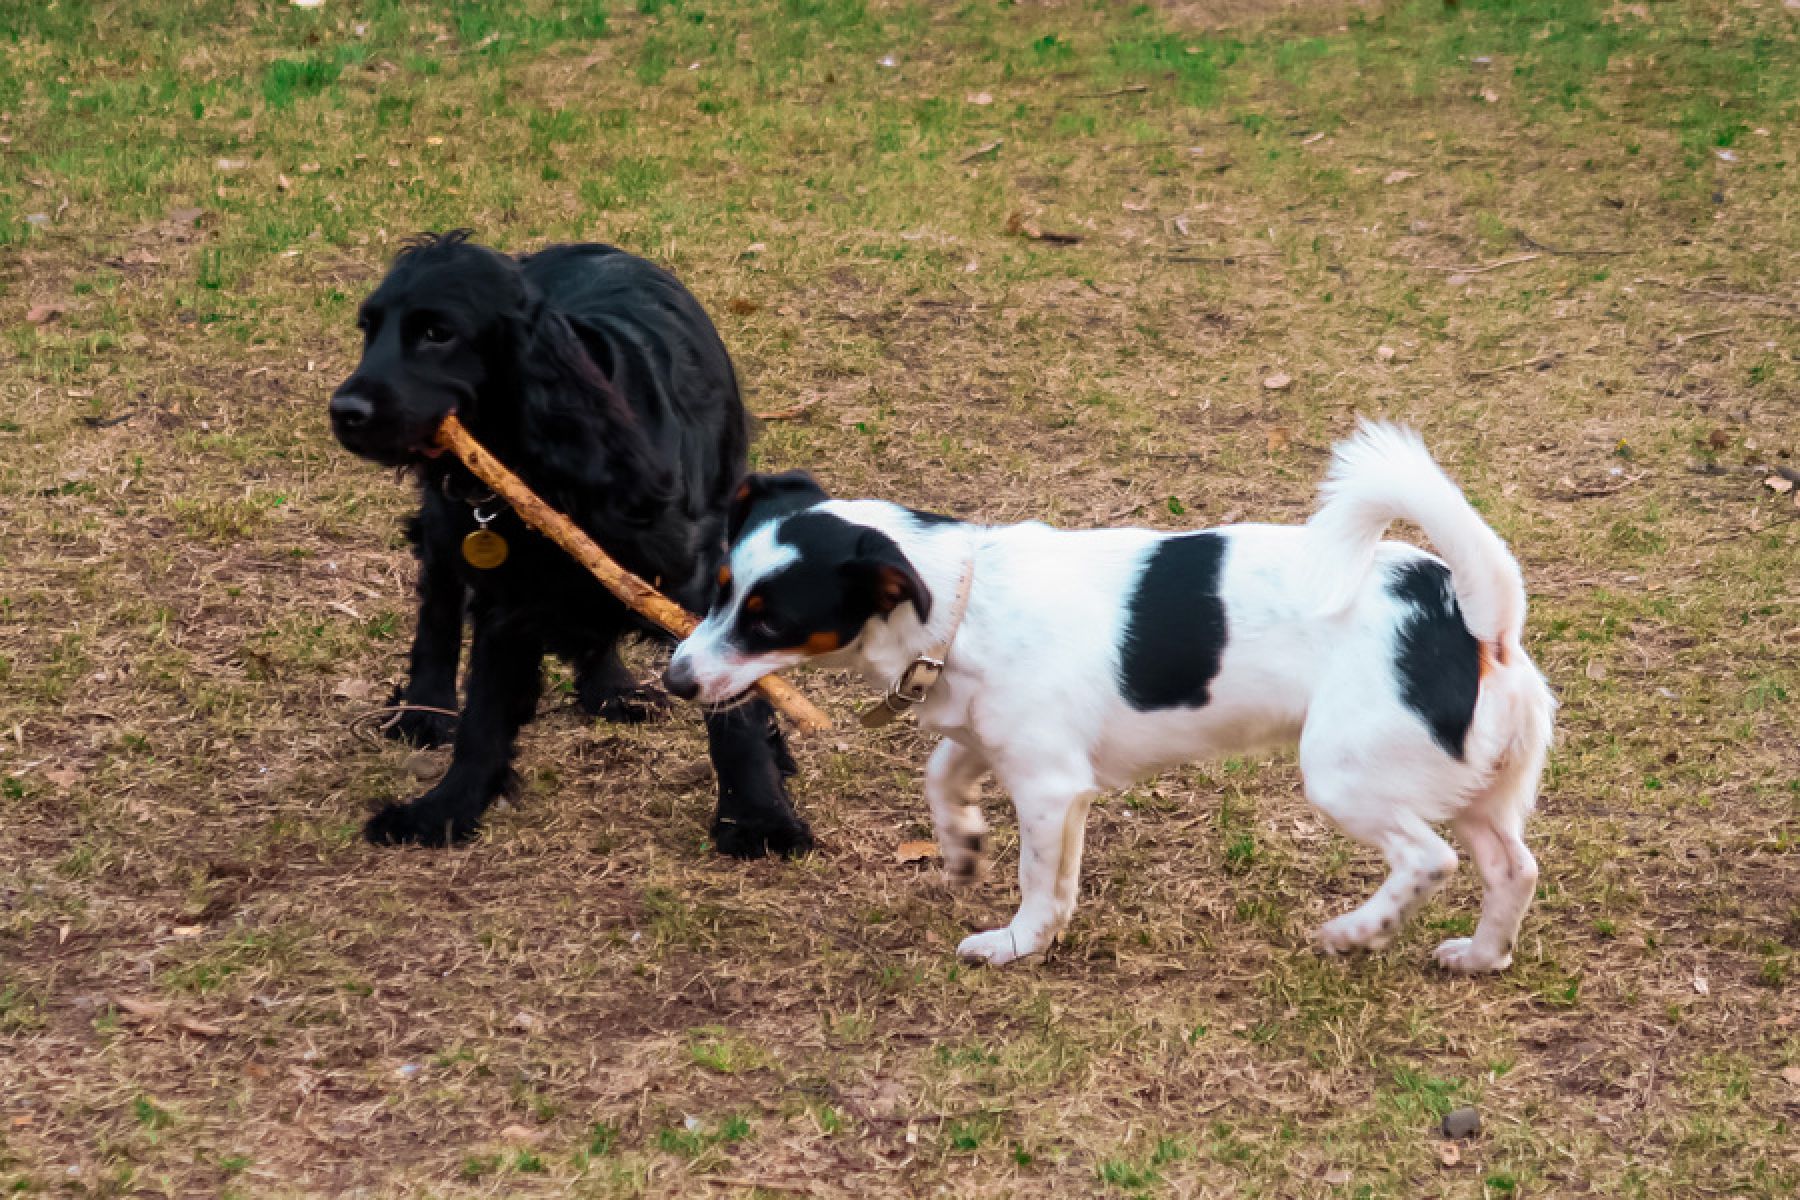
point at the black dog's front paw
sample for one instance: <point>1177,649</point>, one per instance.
<point>420,823</point>
<point>755,839</point>
<point>624,706</point>
<point>423,729</point>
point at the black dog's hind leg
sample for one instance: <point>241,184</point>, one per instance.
<point>437,642</point>
<point>605,688</point>
<point>755,816</point>
<point>504,679</point>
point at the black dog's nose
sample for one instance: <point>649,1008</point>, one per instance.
<point>679,680</point>
<point>351,410</point>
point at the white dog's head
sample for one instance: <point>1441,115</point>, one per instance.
<point>802,582</point>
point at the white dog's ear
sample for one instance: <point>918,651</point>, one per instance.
<point>885,576</point>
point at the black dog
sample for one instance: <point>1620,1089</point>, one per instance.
<point>600,381</point>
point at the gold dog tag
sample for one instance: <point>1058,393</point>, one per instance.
<point>484,550</point>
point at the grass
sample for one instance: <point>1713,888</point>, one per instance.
<point>1558,236</point>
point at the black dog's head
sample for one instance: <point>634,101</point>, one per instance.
<point>436,333</point>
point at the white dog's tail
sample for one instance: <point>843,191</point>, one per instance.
<point>1383,473</point>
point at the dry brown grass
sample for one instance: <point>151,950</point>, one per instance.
<point>208,985</point>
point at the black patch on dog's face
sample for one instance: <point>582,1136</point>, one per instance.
<point>763,498</point>
<point>845,575</point>
<point>1438,660</point>
<point>1175,631</point>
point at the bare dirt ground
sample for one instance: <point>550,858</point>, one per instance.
<point>1559,237</point>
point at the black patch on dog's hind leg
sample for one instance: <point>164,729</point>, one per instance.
<point>1437,659</point>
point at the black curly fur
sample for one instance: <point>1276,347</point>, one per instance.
<point>600,381</point>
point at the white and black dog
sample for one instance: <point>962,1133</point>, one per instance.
<point>1065,662</point>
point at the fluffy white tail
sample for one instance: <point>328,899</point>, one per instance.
<point>1383,473</point>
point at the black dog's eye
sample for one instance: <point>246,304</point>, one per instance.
<point>761,627</point>
<point>437,334</point>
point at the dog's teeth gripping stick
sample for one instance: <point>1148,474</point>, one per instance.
<point>637,595</point>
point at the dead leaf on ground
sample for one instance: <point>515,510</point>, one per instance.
<point>144,1010</point>
<point>1449,1154</point>
<point>43,314</point>
<point>354,690</point>
<point>1779,484</point>
<point>1596,670</point>
<point>1280,438</point>
<point>1398,176</point>
<point>1337,1176</point>
<point>198,1028</point>
<point>519,1133</point>
<point>908,852</point>
<point>742,306</point>
<point>1792,1075</point>
<point>979,98</point>
<point>1018,226</point>
<point>1278,381</point>
<point>1718,439</point>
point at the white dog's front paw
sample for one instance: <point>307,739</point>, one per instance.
<point>997,947</point>
<point>1460,954</point>
<point>1358,930</point>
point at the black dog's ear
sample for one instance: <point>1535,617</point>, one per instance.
<point>762,498</point>
<point>886,577</point>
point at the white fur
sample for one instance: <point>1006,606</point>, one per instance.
<point>1031,693</point>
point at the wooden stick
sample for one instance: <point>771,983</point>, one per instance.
<point>638,596</point>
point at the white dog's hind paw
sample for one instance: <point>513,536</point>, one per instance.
<point>1459,954</point>
<point>1358,930</point>
<point>996,948</point>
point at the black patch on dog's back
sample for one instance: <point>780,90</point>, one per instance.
<point>1437,659</point>
<point>1175,631</point>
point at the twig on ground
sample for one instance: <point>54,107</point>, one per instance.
<point>788,413</point>
<point>360,724</point>
<point>1576,491</point>
<point>1223,259</point>
<point>1749,297</point>
<point>1528,240</point>
<point>1513,366</point>
<point>1732,537</point>
<point>1682,339</point>
<point>1124,91</point>
<point>1482,270</point>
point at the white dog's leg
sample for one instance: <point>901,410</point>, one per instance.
<point>1508,879</point>
<point>1419,861</point>
<point>950,780</point>
<point>1052,829</point>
